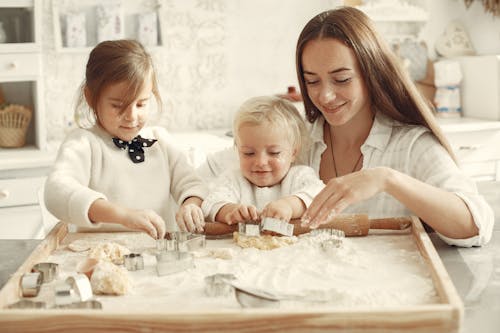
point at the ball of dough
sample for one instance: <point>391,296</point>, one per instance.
<point>110,251</point>
<point>110,279</point>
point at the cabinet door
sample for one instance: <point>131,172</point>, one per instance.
<point>23,222</point>
<point>20,25</point>
<point>20,191</point>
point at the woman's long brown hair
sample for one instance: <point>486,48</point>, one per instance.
<point>390,88</point>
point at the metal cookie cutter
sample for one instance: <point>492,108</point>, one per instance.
<point>249,228</point>
<point>90,304</point>
<point>133,261</point>
<point>182,241</point>
<point>219,284</point>
<point>65,294</point>
<point>328,231</point>
<point>81,285</point>
<point>255,298</point>
<point>30,284</point>
<point>49,270</point>
<point>166,244</point>
<point>196,242</point>
<point>330,244</point>
<point>173,262</point>
<point>278,226</point>
<point>27,304</point>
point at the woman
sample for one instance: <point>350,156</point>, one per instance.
<point>378,147</point>
<point>376,143</point>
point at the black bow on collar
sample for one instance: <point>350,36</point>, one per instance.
<point>135,147</point>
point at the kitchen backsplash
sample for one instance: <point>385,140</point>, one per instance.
<point>215,54</point>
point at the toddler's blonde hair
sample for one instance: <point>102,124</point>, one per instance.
<point>276,112</point>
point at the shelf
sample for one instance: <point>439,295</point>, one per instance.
<point>462,124</point>
<point>25,158</point>
<point>16,3</point>
<point>20,26</point>
<point>86,26</point>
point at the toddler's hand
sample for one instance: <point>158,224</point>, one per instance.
<point>145,220</point>
<point>190,218</point>
<point>279,209</point>
<point>235,213</point>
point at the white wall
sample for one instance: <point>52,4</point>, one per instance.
<point>217,53</point>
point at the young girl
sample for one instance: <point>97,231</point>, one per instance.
<point>118,174</point>
<point>269,133</point>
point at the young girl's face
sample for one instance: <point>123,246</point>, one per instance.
<point>265,154</point>
<point>117,121</point>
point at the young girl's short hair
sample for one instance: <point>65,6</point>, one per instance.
<point>112,62</point>
<point>277,112</point>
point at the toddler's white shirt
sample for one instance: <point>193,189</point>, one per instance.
<point>232,187</point>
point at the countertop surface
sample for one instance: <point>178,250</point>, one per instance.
<point>475,272</point>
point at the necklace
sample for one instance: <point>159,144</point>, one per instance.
<point>333,156</point>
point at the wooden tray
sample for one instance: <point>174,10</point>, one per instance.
<point>443,317</point>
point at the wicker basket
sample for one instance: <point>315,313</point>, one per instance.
<point>14,122</point>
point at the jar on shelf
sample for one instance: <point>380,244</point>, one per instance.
<point>3,34</point>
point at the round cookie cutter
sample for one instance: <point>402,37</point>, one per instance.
<point>80,283</point>
<point>217,285</point>
<point>49,270</point>
<point>30,284</point>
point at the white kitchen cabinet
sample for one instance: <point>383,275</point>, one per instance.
<point>476,144</point>
<point>22,170</point>
<point>20,70</point>
<point>21,215</point>
<point>21,222</point>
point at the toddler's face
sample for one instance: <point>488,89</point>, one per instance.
<point>265,153</point>
<point>123,123</point>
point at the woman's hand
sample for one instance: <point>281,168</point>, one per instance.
<point>190,216</point>
<point>232,213</point>
<point>279,209</point>
<point>342,192</point>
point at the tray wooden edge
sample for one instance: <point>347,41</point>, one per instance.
<point>442,281</point>
<point>444,317</point>
<point>10,291</point>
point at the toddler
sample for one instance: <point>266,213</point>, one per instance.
<point>116,173</point>
<point>268,134</point>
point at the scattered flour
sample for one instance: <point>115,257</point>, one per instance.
<point>376,271</point>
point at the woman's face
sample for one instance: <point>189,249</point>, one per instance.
<point>123,123</point>
<point>265,154</point>
<point>333,80</point>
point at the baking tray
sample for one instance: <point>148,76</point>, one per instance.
<point>445,316</point>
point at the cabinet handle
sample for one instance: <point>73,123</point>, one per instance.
<point>469,147</point>
<point>4,194</point>
<point>13,65</point>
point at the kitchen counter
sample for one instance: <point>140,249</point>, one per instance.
<point>475,272</point>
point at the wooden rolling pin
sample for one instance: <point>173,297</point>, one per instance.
<point>352,225</point>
